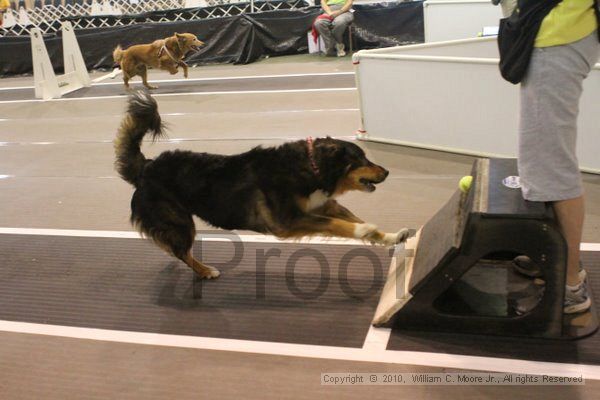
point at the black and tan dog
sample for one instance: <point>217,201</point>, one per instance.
<point>167,54</point>
<point>288,191</point>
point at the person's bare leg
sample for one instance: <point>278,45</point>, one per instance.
<point>570,214</point>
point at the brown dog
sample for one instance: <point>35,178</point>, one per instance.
<point>165,54</point>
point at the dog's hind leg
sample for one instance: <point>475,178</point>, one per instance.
<point>126,68</point>
<point>143,72</point>
<point>204,271</point>
<point>178,243</point>
<point>171,227</point>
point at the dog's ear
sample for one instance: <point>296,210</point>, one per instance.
<point>333,151</point>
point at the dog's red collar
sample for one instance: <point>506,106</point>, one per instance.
<point>311,148</point>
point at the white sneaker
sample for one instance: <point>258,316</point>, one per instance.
<point>577,299</point>
<point>340,49</point>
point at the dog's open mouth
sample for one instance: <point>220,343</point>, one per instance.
<point>369,184</point>
<point>196,47</point>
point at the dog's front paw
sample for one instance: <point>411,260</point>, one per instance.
<point>391,239</point>
<point>210,273</point>
<point>364,230</point>
<point>402,235</point>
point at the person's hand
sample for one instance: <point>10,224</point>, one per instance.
<point>334,14</point>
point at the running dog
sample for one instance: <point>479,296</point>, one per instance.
<point>164,54</point>
<point>289,191</point>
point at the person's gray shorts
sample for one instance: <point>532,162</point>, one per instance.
<point>550,94</point>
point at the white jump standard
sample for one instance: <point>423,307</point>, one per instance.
<point>47,84</point>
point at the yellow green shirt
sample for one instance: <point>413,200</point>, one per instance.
<point>333,2</point>
<point>568,22</point>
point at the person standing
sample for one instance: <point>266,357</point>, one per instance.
<point>566,48</point>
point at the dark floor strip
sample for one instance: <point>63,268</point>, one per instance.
<point>295,293</point>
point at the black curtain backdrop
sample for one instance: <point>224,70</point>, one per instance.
<point>239,39</point>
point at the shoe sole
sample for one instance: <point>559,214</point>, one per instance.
<point>578,308</point>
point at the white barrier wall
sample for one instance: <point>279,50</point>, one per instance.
<point>458,19</point>
<point>450,96</point>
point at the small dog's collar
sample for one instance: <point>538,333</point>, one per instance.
<point>311,148</point>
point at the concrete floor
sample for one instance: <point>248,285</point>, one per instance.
<point>56,161</point>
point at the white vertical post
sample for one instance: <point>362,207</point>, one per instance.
<point>361,133</point>
<point>73,60</point>
<point>46,84</point>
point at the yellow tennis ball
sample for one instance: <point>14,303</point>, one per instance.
<point>465,183</point>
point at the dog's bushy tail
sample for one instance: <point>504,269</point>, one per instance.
<point>141,117</point>
<point>118,54</point>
